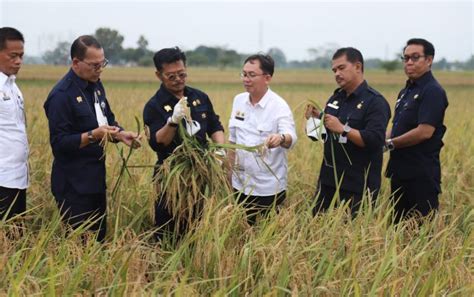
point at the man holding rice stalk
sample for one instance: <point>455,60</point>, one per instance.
<point>260,117</point>
<point>13,140</point>
<point>355,119</point>
<point>415,140</point>
<point>173,104</point>
<point>80,119</point>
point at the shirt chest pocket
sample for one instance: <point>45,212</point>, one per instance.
<point>357,120</point>
<point>265,129</point>
<point>84,118</point>
<point>410,112</point>
<point>7,110</point>
<point>201,115</point>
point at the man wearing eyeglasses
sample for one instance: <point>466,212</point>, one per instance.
<point>415,140</point>
<point>260,117</point>
<point>79,118</point>
<point>162,115</point>
<point>355,118</point>
<point>13,140</point>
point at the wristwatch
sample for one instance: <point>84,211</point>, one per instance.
<point>169,122</point>
<point>282,139</point>
<point>389,144</point>
<point>347,129</point>
<point>91,137</point>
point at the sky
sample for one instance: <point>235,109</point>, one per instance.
<point>378,28</point>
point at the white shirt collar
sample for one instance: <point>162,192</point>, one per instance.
<point>6,79</point>
<point>263,102</point>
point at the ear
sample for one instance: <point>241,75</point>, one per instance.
<point>158,75</point>
<point>358,66</point>
<point>429,59</point>
<point>75,63</point>
<point>268,79</point>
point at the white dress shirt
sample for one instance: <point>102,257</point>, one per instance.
<point>256,174</point>
<point>13,140</point>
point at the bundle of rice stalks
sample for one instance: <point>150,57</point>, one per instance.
<point>194,178</point>
<point>192,175</point>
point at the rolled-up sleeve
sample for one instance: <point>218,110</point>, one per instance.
<point>62,136</point>
<point>432,107</point>
<point>377,117</point>
<point>286,124</point>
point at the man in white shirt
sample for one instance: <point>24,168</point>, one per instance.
<point>13,140</point>
<point>259,116</point>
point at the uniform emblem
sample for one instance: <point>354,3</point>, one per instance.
<point>5,96</point>
<point>198,101</point>
<point>416,96</point>
<point>79,99</point>
<point>168,108</point>
<point>239,115</point>
<point>359,106</point>
<point>203,115</point>
<point>335,102</point>
<point>98,92</point>
<point>147,132</point>
<point>194,103</point>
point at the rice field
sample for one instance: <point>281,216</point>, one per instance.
<point>287,254</point>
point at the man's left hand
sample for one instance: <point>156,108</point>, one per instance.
<point>130,138</point>
<point>333,124</point>
<point>273,140</point>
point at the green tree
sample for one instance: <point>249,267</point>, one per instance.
<point>58,56</point>
<point>390,66</point>
<point>111,42</point>
<point>278,56</point>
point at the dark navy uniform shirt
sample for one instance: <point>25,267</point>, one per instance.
<point>367,111</point>
<point>422,101</point>
<point>160,107</point>
<point>70,111</point>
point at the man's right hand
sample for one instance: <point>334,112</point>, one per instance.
<point>179,111</point>
<point>311,111</point>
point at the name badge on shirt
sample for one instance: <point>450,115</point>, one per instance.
<point>240,116</point>
<point>333,106</point>
<point>5,96</point>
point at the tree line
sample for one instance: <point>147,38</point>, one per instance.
<point>221,57</point>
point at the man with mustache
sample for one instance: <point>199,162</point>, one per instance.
<point>415,140</point>
<point>355,118</point>
<point>162,115</point>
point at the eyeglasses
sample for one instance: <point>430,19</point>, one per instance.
<point>175,76</point>
<point>250,75</point>
<point>414,58</point>
<point>97,66</point>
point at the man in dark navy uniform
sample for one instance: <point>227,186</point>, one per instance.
<point>355,118</point>
<point>79,118</point>
<point>164,111</point>
<point>415,139</point>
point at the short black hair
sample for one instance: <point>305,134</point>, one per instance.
<point>8,33</point>
<point>353,55</point>
<point>80,45</point>
<point>168,56</point>
<point>428,48</point>
<point>266,62</point>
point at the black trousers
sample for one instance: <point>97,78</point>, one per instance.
<point>414,197</point>
<point>77,209</point>
<point>326,195</point>
<point>12,202</point>
<point>255,205</point>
